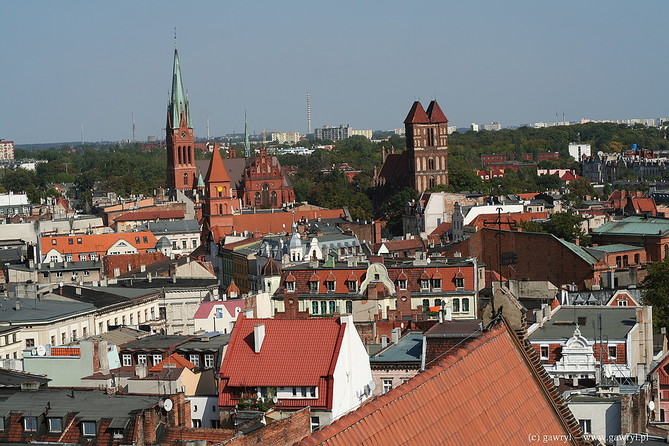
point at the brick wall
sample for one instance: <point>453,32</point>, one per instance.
<point>283,432</point>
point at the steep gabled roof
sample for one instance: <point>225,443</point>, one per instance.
<point>487,392</point>
<point>294,352</point>
<point>174,359</point>
<point>217,172</point>
<point>435,114</point>
<point>417,115</point>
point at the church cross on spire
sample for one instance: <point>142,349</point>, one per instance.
<point>247,144</point>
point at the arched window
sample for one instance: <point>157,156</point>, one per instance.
<point>220,208</point>
<point>190,155</point>
<point>257,198</point>
<point>430,164</point>
<point>179,154</point>
<point>465,304</point>
<point>431,183</point>
<point>273,200</point>
<point>185,179</point>
<point>666,251</point>
<point>265,194</point>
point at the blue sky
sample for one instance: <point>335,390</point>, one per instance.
<point>64,63</point>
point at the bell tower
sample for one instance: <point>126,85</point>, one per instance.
<point>427,145</point>
<point>220,200</point>
<point>180,139</point>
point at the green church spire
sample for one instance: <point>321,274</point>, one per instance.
<point>178,100</point>
<point>247,144</point>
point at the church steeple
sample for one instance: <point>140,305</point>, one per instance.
<point>179,136</point>
<point>247,144</point>
<point>178,108</point>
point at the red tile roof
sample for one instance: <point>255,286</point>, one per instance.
<point>130,262</point>
<point>277,222</point>
<point>151,215</point>
<point>205,308</point>
<point>436,115</point>
<point>217,172</point>
<point>485,393</point>
<point>485,220</point>
<point>417,115</point>
<point>294,352</point>
<point>643,205</point>
<point>176,359</point>
<point>97,243</point>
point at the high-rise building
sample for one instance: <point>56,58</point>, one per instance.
<point>6,150</point>
<point>180,139</point>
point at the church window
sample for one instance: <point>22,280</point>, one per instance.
<point>257,198</point>
<point>220,208</point>
<point>273,201</point>
<point>185,179</point>
<point>179,154</point>
<point>431,182</point>
<point>265,194</point>
<point>430,164</point>
<point>190,156</point>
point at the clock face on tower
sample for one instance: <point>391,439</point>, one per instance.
<point>183,134</point>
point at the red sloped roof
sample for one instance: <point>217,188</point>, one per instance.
<point>151,215</point>
<point>644,204</point>
<point>174,358</point>
<point>131,262</point>
<point>217,172</point>
<point>99,243</point>
<point>417,115</point>
<point>295,352</point>
<point>485,393</point>
<point>205,308</point>
<point>435,114</point>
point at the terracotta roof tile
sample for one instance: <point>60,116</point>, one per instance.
<point>435,114</point>
<point>417,115</point>
<point>217,172</point>
<point>205,308</point>
<point>151,215</point>
<point>311,344</point>
<point>486,393</point>
<point>175,359</point>
<point>97,243</point>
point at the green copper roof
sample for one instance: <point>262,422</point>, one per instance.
<point>178,100</point>
<point>247,144</point>
<point>200,181</point>
<point>635,226</point>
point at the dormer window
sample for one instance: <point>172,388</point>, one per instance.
<point>30,424</point>
<point>55,424</point>
<point>290,286</point>
<point>459,282</point>
<point>436,284</point>
<point>402,284</point>
<point>313,286</point>
<point>88,428</point>
<point>330,286</point>
<point>352,286</point>
<point>424,284</point>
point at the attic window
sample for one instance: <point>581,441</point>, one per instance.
<point>313,286</point>
<point>88,428</point>
<point>54,241</point>
<point>402,284</point>
<point>30,424</point>
<point>70,241</point>
<point>79,241</point>
<point>55,424</point>
<point>330,286</point>
<point>290,286</point>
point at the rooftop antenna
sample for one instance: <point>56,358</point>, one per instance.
<point>82,133</point>
<point>308,113</point>
<point>175,37</point>
<point>207,127</point>
<point>133,126</point>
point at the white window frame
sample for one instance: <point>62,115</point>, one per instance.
<point>51,427</point>
<point>290,286</point>
<point>156,359</point>
<point>141,359</point>
<point>86,425</point>
<point>208,361</point>
<point>194,359</point>
<point>127,360</point>
<point>541,351</point>
<point>30,424</point>
<point>387,385</point>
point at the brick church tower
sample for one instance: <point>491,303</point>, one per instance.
<point>220,199</point>
<point>427,146</point>
<point>181,170</point>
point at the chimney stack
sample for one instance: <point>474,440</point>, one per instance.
<point>395,335</point>
<point>258,337</point>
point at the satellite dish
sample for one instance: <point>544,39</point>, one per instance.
<point>41,350</point>
<point>651,405</point>
<point>167,405</point>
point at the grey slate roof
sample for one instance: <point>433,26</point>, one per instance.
<point>616,323</point>
<point>88,404</point>
<point>171,227</point>
<point>42,310</point>
<point>156,342</point>
<point>408,349</point>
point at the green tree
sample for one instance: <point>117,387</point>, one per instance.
<point>656,292</point>
<point>566,225</point>
<point>394,208</point>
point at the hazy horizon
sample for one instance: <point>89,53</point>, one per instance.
<point>364,64</point>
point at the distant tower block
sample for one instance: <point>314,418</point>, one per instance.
<point>308,113</point>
